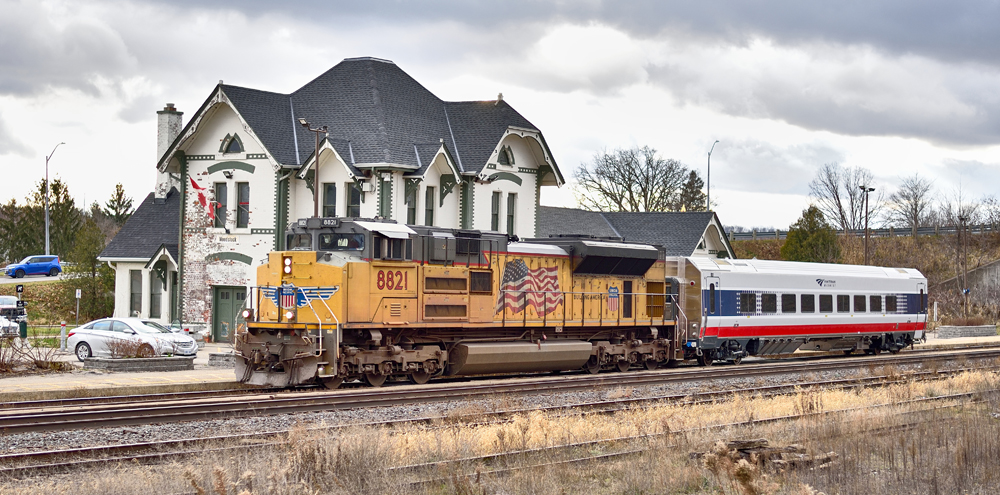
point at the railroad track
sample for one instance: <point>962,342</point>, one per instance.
<point>121,414</point>
<point>24,464</point>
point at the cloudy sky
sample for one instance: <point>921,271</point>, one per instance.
<point>898,87</point>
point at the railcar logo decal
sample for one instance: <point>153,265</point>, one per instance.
<point>612,298</point>
<point>826,282</point>
<point>536,287</point>
<point>289,296</point>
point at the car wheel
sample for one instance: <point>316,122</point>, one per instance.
<point>83,351</point>
<point>19,274</point>
<point>53,272</point>
<point>146,351</point>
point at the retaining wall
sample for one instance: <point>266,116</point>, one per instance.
<point>140,364</point>
<point>950,332</point>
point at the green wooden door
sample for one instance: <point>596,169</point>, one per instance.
<point>227,303</point>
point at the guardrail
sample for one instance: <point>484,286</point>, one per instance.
<point>884,232</point>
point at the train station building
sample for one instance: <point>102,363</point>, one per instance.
<point>363,139</point>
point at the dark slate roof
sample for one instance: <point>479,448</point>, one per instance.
<point>678,232</point>
<point>376,113</point>
<point>553,221</point>
<point>152,225</point>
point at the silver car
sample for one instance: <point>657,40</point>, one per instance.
<point>98,337</point>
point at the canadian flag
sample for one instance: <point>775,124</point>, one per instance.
<point>205,203</point>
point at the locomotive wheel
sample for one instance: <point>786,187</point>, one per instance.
<point>332,383</point>
<point>624,365</point>
<point>704,360</point>
<point>374,380</point>
<point>848,352</point>
<point>593,366</point>
<point>420,377</point>
<point>651,364</point>
<point>736,360</point>
<point>894,350</point>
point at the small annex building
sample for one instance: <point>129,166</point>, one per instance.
<point>679,233</point>
<point>245,165</point>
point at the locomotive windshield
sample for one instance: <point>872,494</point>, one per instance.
<point>341,242</point>
<point>300,242</point>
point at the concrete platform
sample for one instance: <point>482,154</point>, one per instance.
<point>216,377</point>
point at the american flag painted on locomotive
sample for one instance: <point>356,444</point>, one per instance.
<point>536,287</point>
<point>288,296</point>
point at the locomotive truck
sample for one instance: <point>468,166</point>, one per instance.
<point>372,300</point>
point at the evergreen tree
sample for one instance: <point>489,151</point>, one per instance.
<point>21,231</point>
<point>64,217</point>
<point>691,197</point>
<point>95,280</point>
<point>119,207</point>
<point>811,238</point>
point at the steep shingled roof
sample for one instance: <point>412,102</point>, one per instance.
<point>376,113</point>
<point>152,225</point>
<point>678,232</point>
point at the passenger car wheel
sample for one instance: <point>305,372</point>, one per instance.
<point>19,274</point>
<point>53,272</point>
<point>146,351</point>
<point>83,351</point>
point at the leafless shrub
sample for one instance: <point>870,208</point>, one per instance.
<point>128,348</point>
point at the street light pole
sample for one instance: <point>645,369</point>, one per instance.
<point>316,184</point>
<point>962,242</point>
<point>708,199</point>
<point>865,190</point>
<point>47,158</point>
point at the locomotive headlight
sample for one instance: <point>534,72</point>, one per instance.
<point>287,260</point>
<point>246,314</point>
<point>289,315</point>
<point>288,269</point>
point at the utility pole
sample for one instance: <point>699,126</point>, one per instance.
<point>865,190</point>
<point>708,198</point>
<point>316,184</point>
<point>963,240</point>
<point>47,197</point>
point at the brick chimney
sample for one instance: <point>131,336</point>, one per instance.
<point>168,126</point>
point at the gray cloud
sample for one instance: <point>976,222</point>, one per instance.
<point>10,145</point>
<point>761,167</point>
<point>37,53</point>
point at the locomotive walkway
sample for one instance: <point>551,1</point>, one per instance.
<point>213,376</point>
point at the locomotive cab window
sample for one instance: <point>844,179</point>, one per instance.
<point>299,242</point>
<point>843,303</point>
<point>768,303</point>
<point>875,304</point>
<point>890,304</point>
<point>391,249</point>
<point>748,303</point>
<point>808,303</point>
<point>788,303</point>
<point>859,304</point>
<point>341,242</point>
<point>825,303</point>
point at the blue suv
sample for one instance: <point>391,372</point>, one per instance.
<point>35,265</point>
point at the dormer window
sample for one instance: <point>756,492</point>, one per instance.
<point>505,156</point>
<point>231,144</point>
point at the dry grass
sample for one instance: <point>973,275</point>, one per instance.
<point>949,451</point>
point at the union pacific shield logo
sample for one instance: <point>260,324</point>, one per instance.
<point>289,296</point>
<point>612,298</point>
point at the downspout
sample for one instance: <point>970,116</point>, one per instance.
<point>180,242</point>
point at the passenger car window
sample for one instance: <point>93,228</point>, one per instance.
<point>890,304</point>
<point>788,303</point>
<point>875,303</point>
<point>102,325</point>
<point>120,327</point>
<point>843,303</point>
<point>808,303</point>
<point>826,303</point>
<point>768,303</point>
<point>748,303</point>
<point>859,304</point>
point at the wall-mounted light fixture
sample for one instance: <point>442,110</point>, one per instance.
<point>228,174</point>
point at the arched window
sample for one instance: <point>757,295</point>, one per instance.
<point>231,144</point>
<point>506,156</point>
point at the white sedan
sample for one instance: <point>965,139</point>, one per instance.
<point>100,337</point>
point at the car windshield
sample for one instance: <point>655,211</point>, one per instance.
<point>146,328</point>
<point>150,323</point>
<point>8,301</point>
<point>25,260</point>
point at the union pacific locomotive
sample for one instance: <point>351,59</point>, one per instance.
<point>370,300</point>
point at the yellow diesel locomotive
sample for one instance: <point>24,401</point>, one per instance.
<point>371,300</point>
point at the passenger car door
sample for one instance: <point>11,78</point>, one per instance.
<point>712,306</point>
<point>34,265</point>
<point>98,334</point>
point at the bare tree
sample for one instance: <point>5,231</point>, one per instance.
<point>910,206</point>
<point>634,179</point>
<point>838,194</point>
